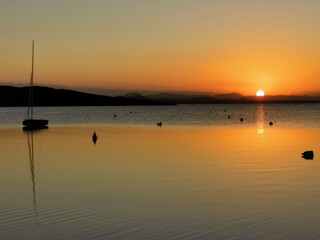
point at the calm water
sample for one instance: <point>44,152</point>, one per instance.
<point>199,176</point>
<point>283,115</point>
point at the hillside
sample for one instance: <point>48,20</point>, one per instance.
<point>44,96</point>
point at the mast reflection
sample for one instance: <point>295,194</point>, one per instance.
<point>32,170</point>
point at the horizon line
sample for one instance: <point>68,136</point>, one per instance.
<point>99,91</point>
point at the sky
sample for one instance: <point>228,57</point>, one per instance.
<point>215,46</point>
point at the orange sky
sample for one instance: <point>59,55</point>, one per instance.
<point>183,45</point>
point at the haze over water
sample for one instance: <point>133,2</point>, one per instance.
<point>199,176</point>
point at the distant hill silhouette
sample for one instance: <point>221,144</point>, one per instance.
<point>225,98</point>
<point>287,98</point>
<point>233,98</point>
<point>230,96</point>
<point>133,94</point>
<point>172,96</point>
<point>44,96</point>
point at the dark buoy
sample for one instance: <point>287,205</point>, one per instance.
<point>308,155</point>
<point>130,112</point>
<point>241,119</point>
<point>115,116</point>
<point>229,117</point>
<point>94,137</point>
<point>225,110</point>
<point>159,124</point>
<point>270,123</point>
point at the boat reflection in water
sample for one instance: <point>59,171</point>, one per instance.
<point>32,171</point>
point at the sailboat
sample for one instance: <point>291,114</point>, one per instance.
<point>29,123</point>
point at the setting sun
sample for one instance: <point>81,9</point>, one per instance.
<point>260,93</point>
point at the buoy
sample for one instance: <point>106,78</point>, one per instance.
<point>94,137</point>
<point>229,117</point>
<point>159,124</point>
<point>241,119</point>
<point>270,123</point>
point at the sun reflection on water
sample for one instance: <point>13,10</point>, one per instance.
<point>260,120</point>
<point>260,131</point>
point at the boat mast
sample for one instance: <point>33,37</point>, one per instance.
<point>30,106</point>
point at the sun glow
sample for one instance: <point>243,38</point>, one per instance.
<point>260,93</point>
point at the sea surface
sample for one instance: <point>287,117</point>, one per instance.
<point>199,176</point>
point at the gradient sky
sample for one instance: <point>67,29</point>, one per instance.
<point>168,45</point>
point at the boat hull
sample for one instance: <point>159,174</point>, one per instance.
<point>30,124</point>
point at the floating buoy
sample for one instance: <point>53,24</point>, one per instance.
<point>241,119</point>
<point>270,123</point>
<point>229,117</point>
<point>159,124</point>
<point>94,137</point>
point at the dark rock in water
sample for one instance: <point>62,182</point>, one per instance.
<point>159,124</point>
<point>229,117</point>
<point>307,155</point>
<point>241,119</point>
<point>270,123</point>
<point>225,110</point>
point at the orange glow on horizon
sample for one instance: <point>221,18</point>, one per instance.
<point>213,47</point>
